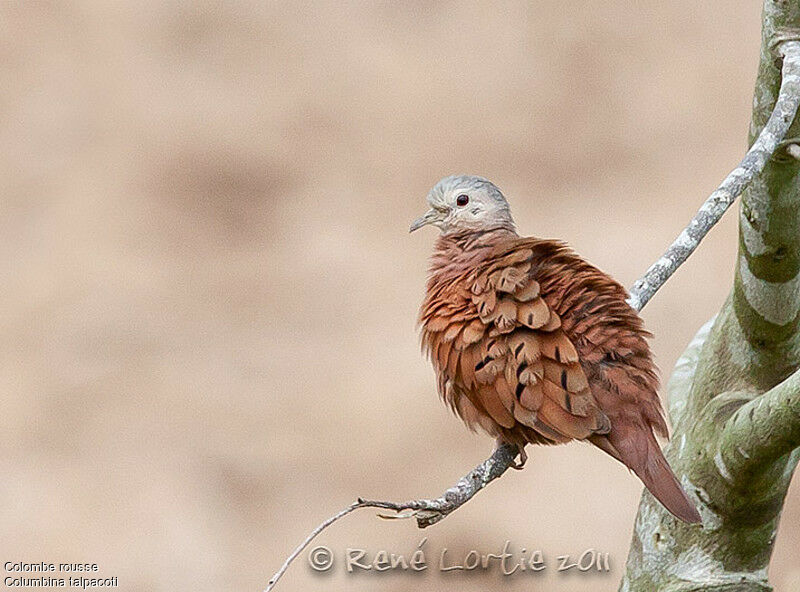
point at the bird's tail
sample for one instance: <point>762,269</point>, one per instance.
<point>640,452</point>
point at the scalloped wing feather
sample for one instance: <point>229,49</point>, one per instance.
<point>512,359</point>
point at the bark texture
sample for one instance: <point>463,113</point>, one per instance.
<point>735,393</point>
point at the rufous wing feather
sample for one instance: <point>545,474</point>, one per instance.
<point>525,367</point>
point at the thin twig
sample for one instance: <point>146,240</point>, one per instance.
<point>309,538</point>
<point>429,512</point>
<point>426,512</point>
<point>716,205</point>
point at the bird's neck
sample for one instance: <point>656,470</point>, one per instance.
<point>467,244</point>
<point>457,253</point>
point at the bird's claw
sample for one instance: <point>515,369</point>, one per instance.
<point>523,458</point>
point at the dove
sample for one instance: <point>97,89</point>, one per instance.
<point>532,344</point>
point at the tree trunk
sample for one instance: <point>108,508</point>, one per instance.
<point>734,395</point>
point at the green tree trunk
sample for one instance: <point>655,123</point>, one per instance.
<point>734,395</point>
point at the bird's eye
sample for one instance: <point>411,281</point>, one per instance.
<point>462,200</point>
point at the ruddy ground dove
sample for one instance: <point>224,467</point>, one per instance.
<point>532,344</point>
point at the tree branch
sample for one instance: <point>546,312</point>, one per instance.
<point>718,202</point>
<point>736,415</point>
<point>762,430</point>
<point>426,512</point>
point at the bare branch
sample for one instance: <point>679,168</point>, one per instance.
<point>426,512</point>
<point>274,579</point>
<point>762,430</point>
<point>718,202</point>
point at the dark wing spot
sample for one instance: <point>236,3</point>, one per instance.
<point>609,358</point>
<point>521,368</point>
<point>519,349</point>
<point>568,403</point>
<point>564,379</point>
<point>482,363</point>
<point>558,354</point>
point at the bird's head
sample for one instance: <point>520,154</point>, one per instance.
<point>463,203</point>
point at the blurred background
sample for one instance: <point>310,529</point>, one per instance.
<point>209,292</point>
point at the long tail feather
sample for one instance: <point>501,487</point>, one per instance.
<point>640,452</point>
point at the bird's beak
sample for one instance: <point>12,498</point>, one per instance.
<point>429,217</point>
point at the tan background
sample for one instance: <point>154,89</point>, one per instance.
<point>209,292</point>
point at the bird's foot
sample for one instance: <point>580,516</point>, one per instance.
<point>523,456</point>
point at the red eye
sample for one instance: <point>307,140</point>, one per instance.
<point>462,200</point>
